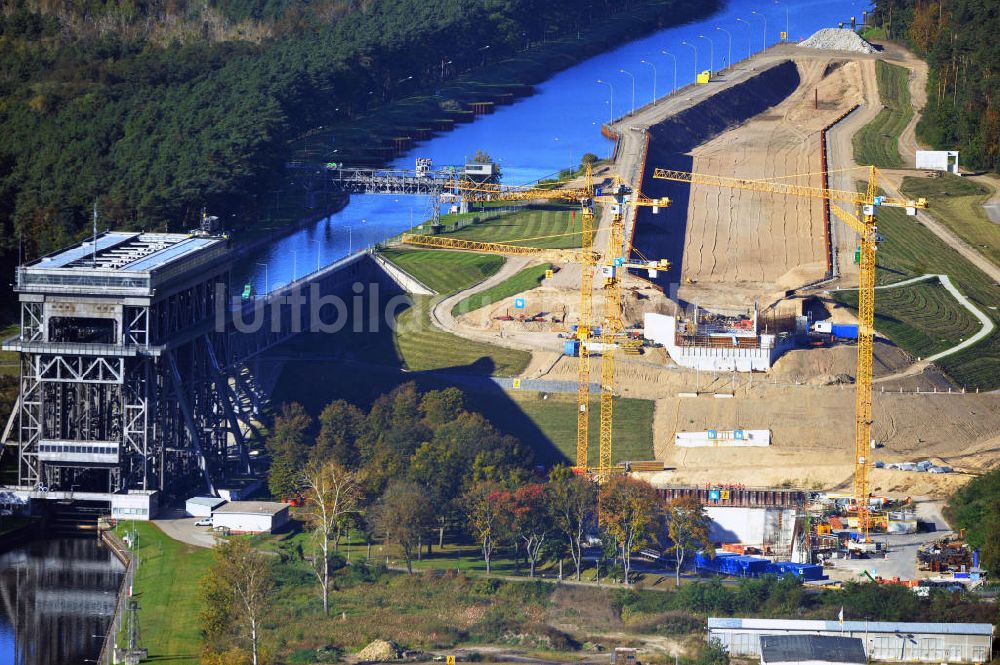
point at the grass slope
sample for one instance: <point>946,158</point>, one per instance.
<point>445,272</point>
<point>958,204</point>
<point>525,280</point>
<point>166,584</point>
<point>550,225</point>
<point>922,318</point>
<point>878,142</point>
<point>424,347</point>
<point>911,250</point>
<point>554,416</point>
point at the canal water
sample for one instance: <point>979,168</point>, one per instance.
<point>552,129</point>
<point>57,598</point>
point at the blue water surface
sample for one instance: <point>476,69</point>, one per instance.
<point>550,130</point>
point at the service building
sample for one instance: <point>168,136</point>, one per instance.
<point>250,516</point>
<point>883,640</point>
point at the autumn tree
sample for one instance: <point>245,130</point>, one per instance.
<point>332,494</point>
<point>404,516</point>
<point>573,506</point>
<point>530,520</point>
<point>627,510</point>
<point>288,450</point>
<point>236,599</point>
<point>483,509</point>
<point>687,528</point>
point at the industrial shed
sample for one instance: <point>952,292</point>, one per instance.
<point>202,506</point>
<point>883,640</point>
<point>811,650</point>
<point>250,516</point>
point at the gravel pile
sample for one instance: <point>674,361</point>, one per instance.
<point>838,39</point>
<point>379,651</point>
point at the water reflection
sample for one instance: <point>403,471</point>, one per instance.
<point>57,598</point>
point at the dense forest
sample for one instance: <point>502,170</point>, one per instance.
<point>156,108</point>
<point>959,40</point>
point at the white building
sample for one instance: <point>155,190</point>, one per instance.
<point>938,160</point>
<point>884,640</point>
<point>250,516</point>
<point>747,352</point>
<point>202,506</point>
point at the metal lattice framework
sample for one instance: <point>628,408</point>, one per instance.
<point>868,200</point>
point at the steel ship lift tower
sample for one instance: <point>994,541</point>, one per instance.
<point>121,387</point>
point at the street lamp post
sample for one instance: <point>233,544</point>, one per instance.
<point>267,282</point>
<point>654,78</point>
<point>350,240</point>
<point>765,26</point>
<point>319,245</point>
<point>747,24</point>
<point>729,58</point>
<point>632,76</point>
<point>295,264</point>
<point>612,89</point>
<point>674,58</point>
<point>686,43</point>
<point>711,53</point>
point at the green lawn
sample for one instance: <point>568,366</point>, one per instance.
<point>425,347</point>
<point>547,421</point>
<point>444,271</point>
<point>910,250</point>
<point>166,585</point>
<point>525,280</point>
<point>878,142</point>
<point>958,204</point>
<point>9,364</point>
<point>552,225</point>
<point>921,318</point>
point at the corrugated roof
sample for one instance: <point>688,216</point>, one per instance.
<point>871,626</point>
<point>253,507</point>
<point>823,648</point>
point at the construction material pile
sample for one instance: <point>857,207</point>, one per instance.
<point>838,39</point>
<point>944,555</point>
<point>379,651</point>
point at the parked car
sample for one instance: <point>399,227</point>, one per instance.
<point>205,521</point>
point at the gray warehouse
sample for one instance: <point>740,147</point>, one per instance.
<point>884,640</point>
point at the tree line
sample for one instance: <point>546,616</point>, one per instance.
<point>417,465</point>
<point>956,37</point>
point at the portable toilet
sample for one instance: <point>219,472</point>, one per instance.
<point>571,347</point>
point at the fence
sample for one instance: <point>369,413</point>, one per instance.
<point>131,562</point>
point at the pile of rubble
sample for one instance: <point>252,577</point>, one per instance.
<point>945,555</point>
<point>838,39</point>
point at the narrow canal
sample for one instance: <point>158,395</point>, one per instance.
<point>57,598</point>
<point>551,130</point>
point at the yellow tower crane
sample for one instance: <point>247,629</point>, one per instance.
<point>616,259</point>
<point>868,201</point>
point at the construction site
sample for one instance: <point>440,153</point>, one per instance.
<point>709,248</point>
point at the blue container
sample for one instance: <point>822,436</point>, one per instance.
<point>844,331</point>
<point>804,571</point>
<point>571,347</point>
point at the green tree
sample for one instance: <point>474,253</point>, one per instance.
<point>341,424</point>
<point>713,653</point>
<point>573,503</point>
<point>627,510</point>
<point>484,518</point>
<point>288,450</point>
<point>403,517</point>
<point>236,595</point>
<point>687,528</point>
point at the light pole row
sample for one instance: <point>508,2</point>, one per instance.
<point>694,47</point>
